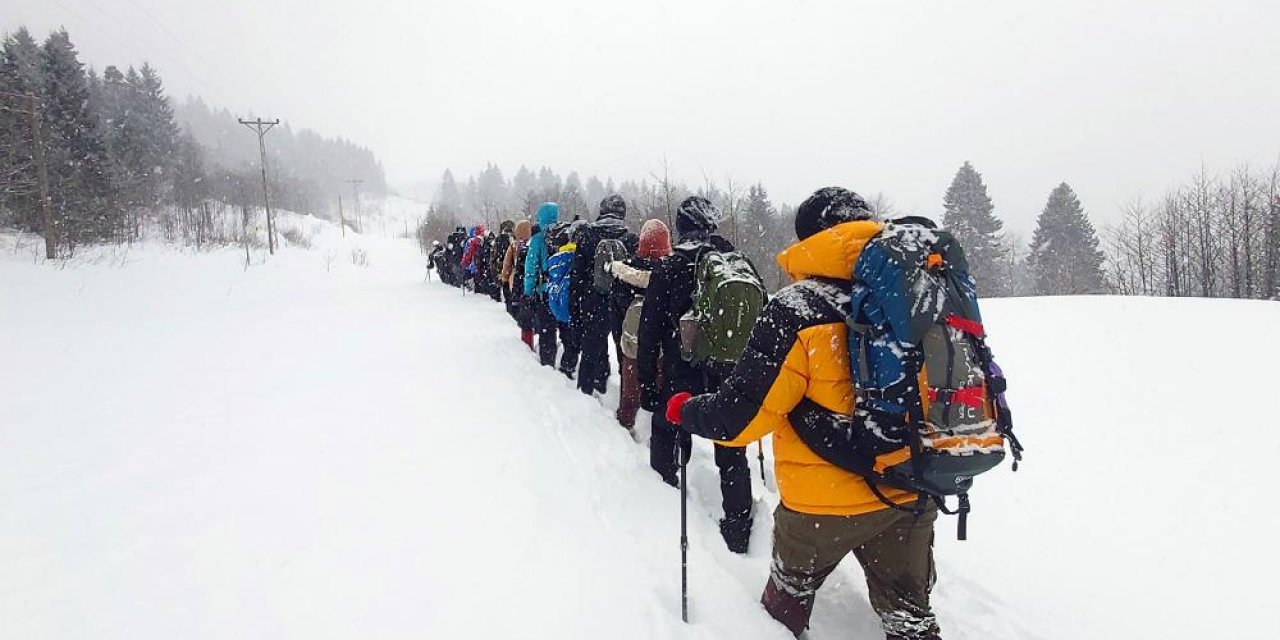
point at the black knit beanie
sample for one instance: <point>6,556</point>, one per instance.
<point>828,207</point>
<point>613,207</point>
<point>696,215</point>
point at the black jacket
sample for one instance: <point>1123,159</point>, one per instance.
<point>670,296</point>
<point>588,305</point>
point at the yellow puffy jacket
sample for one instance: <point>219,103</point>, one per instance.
<point>796,367</point>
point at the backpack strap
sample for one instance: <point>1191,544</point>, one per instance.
<point>858,333</point>
<point>961,511</point>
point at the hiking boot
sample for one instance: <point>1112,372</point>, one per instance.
<point>792,611</point>
<point>736,531</point>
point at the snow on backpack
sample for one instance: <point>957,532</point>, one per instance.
<point>607,251</point>
<point>726,304</point>
<point>931,413</point>
<point>558,268</point>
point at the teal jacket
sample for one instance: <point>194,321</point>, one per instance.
<point>535,262</point>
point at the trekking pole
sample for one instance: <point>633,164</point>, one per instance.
<point>760,455</point>
<point>684,533</point>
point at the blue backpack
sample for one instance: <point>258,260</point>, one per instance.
<point>558,268</point>
<point>931,413</point>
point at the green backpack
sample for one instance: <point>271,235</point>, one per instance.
<point>726,304</point>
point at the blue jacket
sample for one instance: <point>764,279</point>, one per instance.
<point>535,261</point>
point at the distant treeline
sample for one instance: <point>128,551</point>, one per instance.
<point>1218,236</point>
<point>118,157</point>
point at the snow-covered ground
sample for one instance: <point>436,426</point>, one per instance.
<point>311,447</point>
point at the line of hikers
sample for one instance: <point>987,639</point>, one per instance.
<point>871,372</point>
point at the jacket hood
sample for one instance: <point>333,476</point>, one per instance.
<point>655,239</point>
<point>830,253</point>
<point>523,230</point>
<point>480,230</point>
<point>548,214</point>
<point>613,207</point>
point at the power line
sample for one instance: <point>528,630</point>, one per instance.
<point>199,78</point>
<point>210,66</point>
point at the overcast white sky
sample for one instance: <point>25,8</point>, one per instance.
<point>1121,98</point>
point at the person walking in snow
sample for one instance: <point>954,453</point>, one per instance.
<point>594,313</point>
<point>434,259</point>
<point>470,255</point>
<point>497,255</point>
<point>792,373</point>
<point>512,270</point>
<point>632,277</point>
<point>548,236</point>
<point>663,373</point>
<point>454,248</point>
<point>486,277</point>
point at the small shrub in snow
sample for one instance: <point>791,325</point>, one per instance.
<point>359,257</point>
<point>297,237</point>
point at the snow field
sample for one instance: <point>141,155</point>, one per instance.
<point>310,448</point>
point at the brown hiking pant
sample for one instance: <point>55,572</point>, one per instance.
<point>895,550</point>
<point>629,399</point>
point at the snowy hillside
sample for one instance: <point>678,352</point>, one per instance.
<point>318,448</point>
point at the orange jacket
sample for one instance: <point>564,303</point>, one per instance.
<point>796,367</point>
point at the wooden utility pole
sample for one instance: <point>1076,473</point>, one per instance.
<point>342,217</point>
<point>261,127</point>
<point>42,173</point>
<point>355,189</point>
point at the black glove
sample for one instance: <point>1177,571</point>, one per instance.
<point>684,446</point>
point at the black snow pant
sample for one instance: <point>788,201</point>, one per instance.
<point>735,477</point>
<point>593,374</point>
<point>572,349</point>
<point>495,287</point>
<point>616,315</point>
<point>735,469</point>
<point>512,303</point>
<point>549,329</point>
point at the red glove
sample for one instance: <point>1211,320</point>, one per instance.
<point>675,405</point>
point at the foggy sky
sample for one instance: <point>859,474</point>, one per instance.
<point>1120,98</point>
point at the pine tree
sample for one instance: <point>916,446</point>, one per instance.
<point>20,75</point>
<point>1064,258</point>
<point>759,235</point>
<point>969,214</point>
<point>493,194</point>
<point>572,201</point>
<point>160,133</point>
<point>448,200</point>
<point>550,185</point>
<point>79,182</point>
<point>522,184</point>
<point>593,191</point>
<point>471,200</point>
